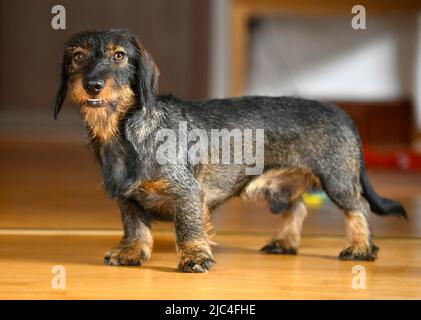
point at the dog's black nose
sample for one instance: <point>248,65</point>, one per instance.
<point>94,87</point>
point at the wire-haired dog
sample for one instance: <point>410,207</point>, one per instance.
<point>307,144</point>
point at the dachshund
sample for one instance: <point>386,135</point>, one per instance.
<point>297,144</point>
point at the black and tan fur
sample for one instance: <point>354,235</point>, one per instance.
<point>307,144</point>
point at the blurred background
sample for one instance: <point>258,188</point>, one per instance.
<point>207,49</point>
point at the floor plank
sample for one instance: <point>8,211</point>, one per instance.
<point>241,272</point>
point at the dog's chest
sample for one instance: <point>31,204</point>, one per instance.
<point>119,168</point>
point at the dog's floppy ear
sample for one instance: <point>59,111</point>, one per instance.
<point>147,76</point>
<point>62,88</point>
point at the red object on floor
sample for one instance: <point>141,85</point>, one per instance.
<point>400,159</point>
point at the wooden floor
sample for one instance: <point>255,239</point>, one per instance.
<point>54,212</point>
<point>241,272</point>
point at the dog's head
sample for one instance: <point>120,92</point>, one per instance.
<point>105,72</point>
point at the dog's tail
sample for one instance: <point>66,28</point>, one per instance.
<point>379,205</point>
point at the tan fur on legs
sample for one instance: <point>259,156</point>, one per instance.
<point>287,239</point>
<point>131,252</point>
<point>195,256</point>
<point>136,245</point>
<point>359,242</point>
<point>297,180</point>
<point>357,232</point>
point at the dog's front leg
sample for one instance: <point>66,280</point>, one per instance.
<point>136,245</point>
<point>191,235</point>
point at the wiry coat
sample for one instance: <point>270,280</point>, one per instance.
<point>307,144</point>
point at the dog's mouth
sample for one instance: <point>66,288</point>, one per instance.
<point>95,102</point>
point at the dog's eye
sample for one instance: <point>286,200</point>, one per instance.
<point>119,56</point>
<point>78,56</point>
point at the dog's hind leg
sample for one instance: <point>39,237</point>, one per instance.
<point>287,239</point>
<point>344,189</point>
<point>360,245</point>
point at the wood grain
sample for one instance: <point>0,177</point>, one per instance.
<point>241,272</point>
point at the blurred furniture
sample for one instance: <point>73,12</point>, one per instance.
<point>244,11</point>
<point>382,123</point>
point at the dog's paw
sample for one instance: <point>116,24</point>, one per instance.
<point>195,262</point>
<point>359,254</point>
<point>278,247</point>
<point>127,255</point>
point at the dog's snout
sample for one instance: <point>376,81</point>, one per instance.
<point>94,87</point>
